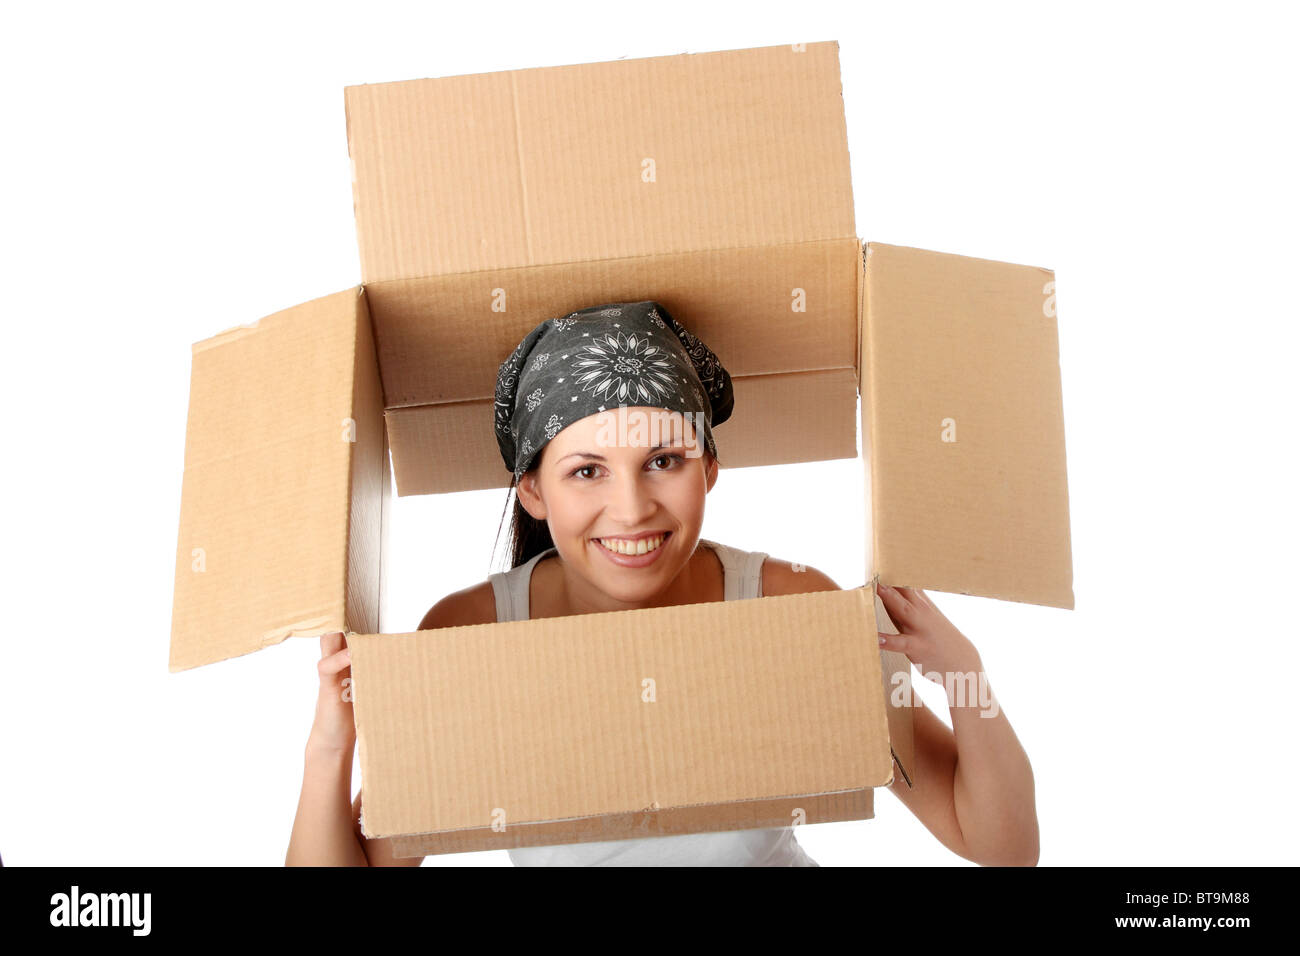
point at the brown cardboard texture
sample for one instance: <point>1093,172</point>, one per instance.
<point>717,184</point>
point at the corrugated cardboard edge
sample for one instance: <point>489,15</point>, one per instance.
<point>895,668</point>
<point>368,481</point>
<point>896,673</point>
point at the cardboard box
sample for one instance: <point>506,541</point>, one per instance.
<point>717,184</point>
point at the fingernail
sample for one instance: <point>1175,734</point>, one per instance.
<point>348,653</point>
<point>882,640</point>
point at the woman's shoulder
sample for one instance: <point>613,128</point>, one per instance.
<point>791,577</point>
<point>476,604</point>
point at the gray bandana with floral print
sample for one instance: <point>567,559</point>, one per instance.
<point>625,354</point>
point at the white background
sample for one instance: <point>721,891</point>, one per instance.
<point>171,171</point>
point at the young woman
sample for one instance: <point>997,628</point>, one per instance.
<point>604,417</point>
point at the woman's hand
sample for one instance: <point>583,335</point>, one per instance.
<point>334,727</point>
<point>927,638</point>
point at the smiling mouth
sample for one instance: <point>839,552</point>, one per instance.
<point>632,548</point>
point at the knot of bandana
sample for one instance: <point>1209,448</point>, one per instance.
<point>624,354</point>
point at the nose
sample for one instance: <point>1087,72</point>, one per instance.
<point>631,502</point>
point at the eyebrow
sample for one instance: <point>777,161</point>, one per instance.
<point>592,454</point>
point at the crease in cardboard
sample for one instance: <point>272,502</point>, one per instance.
<point>648,747</point>
<point>617,813</point>
<point>391,281</point>
<point>519,167</point>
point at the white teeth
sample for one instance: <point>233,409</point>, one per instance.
<point>620,546</point>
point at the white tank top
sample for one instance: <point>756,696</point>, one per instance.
<point>743,578</point>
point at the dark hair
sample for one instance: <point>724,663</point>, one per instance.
<point>527,536</point>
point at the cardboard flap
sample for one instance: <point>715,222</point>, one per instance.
<point>962,392</point>
<point>618,713</point>
<point>281,500</point>
<point>697,151</point>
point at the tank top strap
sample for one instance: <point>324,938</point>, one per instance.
<point>752,581</point>
<point>743,576</point>
<point>510,588</point>
<point>501,591</point>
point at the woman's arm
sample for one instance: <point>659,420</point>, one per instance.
<point>974,789</point>
<point>975,778</point>
<point>326,831</point>
<point>321,837</point>
<point>993,788</point>
<point>323,833</point>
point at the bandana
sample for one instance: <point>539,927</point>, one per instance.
<point>625,354</point>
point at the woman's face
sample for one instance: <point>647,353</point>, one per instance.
<point>609,476</point>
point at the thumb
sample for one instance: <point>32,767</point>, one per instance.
<point>890,642</point>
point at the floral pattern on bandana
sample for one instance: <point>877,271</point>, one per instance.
<point>618,367</point>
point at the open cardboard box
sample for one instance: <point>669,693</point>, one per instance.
<point>717,184</point>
